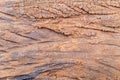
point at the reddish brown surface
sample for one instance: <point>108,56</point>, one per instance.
<point>67,40</point>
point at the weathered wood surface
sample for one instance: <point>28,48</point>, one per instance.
<point>59,39</point>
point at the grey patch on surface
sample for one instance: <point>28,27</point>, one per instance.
<point>13,13</point>
<point>44,68</point>
<point>22,7</point>
<point>10,4</point>
<point>43,33</point>
<point>27,41</point>
<point>6,19</point>
<point>46,79</point>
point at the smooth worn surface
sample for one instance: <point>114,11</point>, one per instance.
<point>59,39</point>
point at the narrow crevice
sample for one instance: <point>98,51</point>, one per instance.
<point>58,32</point>
<point>107,65</point>
<point>102,30</point>
<point>11,41</point>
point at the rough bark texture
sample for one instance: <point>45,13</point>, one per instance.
<point>59,39</point>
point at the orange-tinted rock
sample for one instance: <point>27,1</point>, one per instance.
<point>59,40</point>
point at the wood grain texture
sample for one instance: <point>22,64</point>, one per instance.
<point>59,40</point>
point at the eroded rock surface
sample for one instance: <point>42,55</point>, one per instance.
<point>59,40</point>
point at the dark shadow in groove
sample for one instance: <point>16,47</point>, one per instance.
<point>63,34</point>
<point>43,69</point>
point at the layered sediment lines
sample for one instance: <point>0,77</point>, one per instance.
<point>59,40</point>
